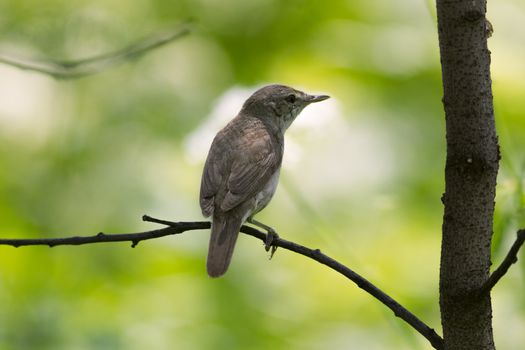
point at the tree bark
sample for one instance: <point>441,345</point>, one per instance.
<point>470,174</point>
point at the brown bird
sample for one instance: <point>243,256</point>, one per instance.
<point>242,168</point>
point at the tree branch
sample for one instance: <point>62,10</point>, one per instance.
<point>97,63</point>
<point>178,227</point>
<point>511,258</point>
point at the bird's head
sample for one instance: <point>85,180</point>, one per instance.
<point>279,104</point>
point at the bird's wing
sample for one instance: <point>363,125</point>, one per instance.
<point>252,167</point>
<point>212,175</point>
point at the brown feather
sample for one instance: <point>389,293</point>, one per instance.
<point>224,233</point>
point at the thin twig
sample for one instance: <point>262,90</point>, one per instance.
<point>511,258</point>
<point>102,237</point>
<point>97,63</point>
<point>178,227</point>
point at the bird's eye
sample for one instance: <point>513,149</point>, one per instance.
<point>290,98</point>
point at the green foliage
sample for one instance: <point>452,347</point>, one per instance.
<point>362,179</point>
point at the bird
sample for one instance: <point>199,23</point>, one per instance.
<point>242,168</point>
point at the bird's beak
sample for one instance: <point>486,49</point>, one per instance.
<point>316,98</point>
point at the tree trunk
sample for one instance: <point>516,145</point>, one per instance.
<point>470,174</point>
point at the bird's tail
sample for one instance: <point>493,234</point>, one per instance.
<point>224,233</point>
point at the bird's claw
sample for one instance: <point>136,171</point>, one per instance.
<point>271,236</point>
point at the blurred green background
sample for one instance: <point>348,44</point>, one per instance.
<point>362,178</point>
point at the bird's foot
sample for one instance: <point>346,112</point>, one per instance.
<point>271,236</point>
